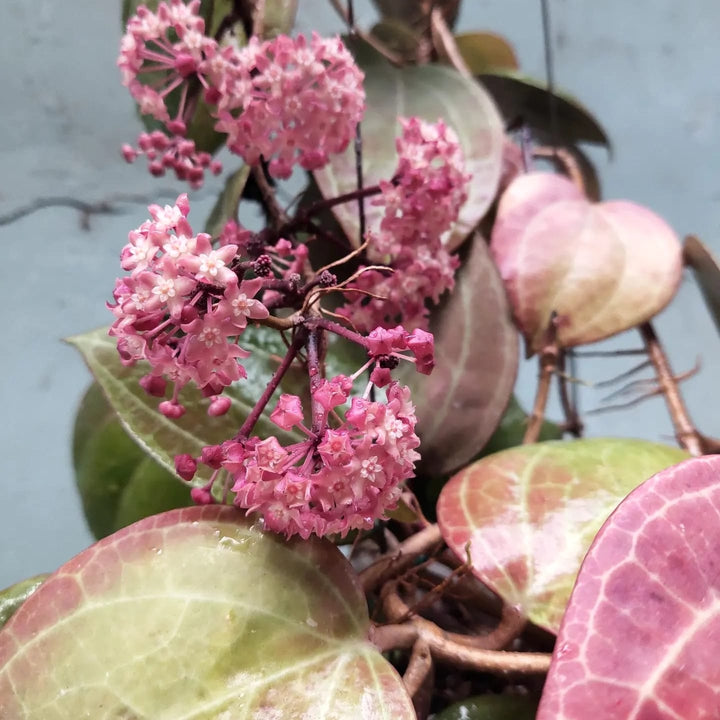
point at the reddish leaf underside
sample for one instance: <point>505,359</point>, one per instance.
<point>641,636</point>
<point>602,267</point>
<point>195,614</point>
<point>528,514</point>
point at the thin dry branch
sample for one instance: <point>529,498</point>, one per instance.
<point>548,363</point>
<point>685,432</point>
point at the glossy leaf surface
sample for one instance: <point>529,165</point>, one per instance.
<point>162,437</point>
<point>491,707</point>
<point>641,634</point>
<point>707,273</point>
<point>531,512</point>
<point>602,267</point>
<point>519,96</point>
<point>476,354</point>
<point>118,482</point>
<point>13,597</point>
<point>430,92</point>
<point>195,614</point>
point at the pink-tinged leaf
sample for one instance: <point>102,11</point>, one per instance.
<point>602,267</point>
<point>197,615</point>
<point>430,92</point>
<point>476,355</point>
<point>641,636</point>
<point>527,515</point>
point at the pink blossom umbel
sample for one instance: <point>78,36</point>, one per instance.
<point>421,205</point>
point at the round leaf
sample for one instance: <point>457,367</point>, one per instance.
<point>430,92</point>
<point>530,513</point>
<point>476,356</point>
<point>118,483</point>
<point>707,273</point>
<point>602,267</point>
<point>195,614</point>
<point>641,634</point>
<point>13,597</point>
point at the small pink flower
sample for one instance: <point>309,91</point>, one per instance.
<point>288,412</point>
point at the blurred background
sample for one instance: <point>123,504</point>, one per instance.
<point>647,70</point>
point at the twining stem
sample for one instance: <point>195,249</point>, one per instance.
<point>401,558</point>
<point>685,432</point>
<point>548,364</point>
<point>292,351</point>
<point>419,678</point>
<point>341,330</point>
<point>327,204</point>
<point>444,648</point>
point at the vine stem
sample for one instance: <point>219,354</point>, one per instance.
<point>573,423</point>
<point>401,558</point>
<point>548,363</point>
<point>292,351</point>
<point>445,649</point>
<point>685,432</point>
<point>278,216</point>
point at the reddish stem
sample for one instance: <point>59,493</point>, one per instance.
<point>297,343</point>
<point>341,330</point>
<point>315,373</point>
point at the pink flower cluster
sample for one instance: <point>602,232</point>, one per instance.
<point>289,101</point>
<point>420,206</point>
<point>182,308</point>
<point>341,479</point>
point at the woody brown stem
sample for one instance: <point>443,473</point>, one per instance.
<point>276,214</point>
<point>573,423</point>
<point>419,677</point>
<point>400,559</point>
<point>444,647</point>
<point>548,363</point>
<point>685,432</point>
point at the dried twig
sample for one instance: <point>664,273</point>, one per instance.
<point>419,678</point>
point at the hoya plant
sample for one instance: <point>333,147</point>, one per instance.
<point>314,492</point>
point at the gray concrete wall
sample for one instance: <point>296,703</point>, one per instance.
<point>648,69</point>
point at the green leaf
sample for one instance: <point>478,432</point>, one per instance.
<point>279,17</point>
<point>511,430</point>
<point>13,597</point>
<point>198,615</point>
<point>399,38</point>
<point>228,202</point>
<point>520,96</point>
<point>430,92</point>
<point>164,438</point>
<point>491,707</point>
<point>485,52</point>
<point>530,513</point>
<point>118,482</point>
<point>476,354</point>
<point>707,274</point>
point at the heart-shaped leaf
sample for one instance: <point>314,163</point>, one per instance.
<point>602,267</point>
<point>164,438</point>
<point>707,273</point>
<point>519,96</point>
<point>430,92</point>
<point>118,482</point>
<point>491,707</point>
<point>484,52</point>
<point>196,614</point>
<point>530,513</point>
<point>641,633</point>
<point>476,354</point>
<point>13,597</point>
